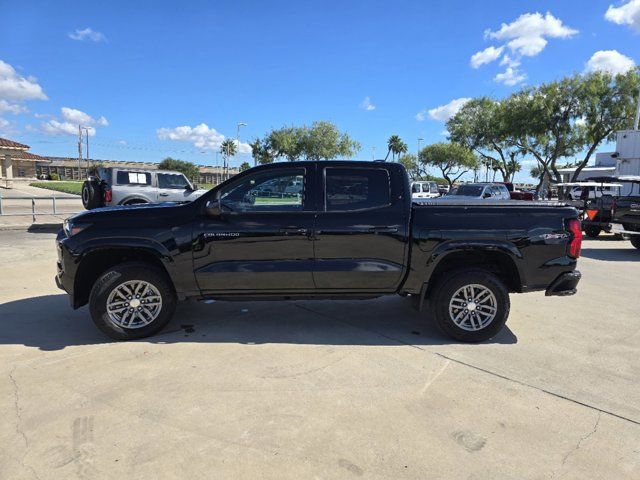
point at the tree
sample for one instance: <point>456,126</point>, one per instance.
<point>227,149</point>
<point>244,166</point>
<point>482,125</point>
<point>323,141</point>
<point>607,103</point>
<point>189,169</point>
<point>260,152</point>
<point>453,159</point>
<point>320,141</point>
<point>411,164</point>
<point>395,146</point>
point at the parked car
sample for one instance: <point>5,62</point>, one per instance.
<point>126,186</point>
<point>517,194</point>
<point>424,189</point>
<point>354,233</point>
<point>481,191</point>
<point>625,211</point>
<point>443,189</point>
<point>579,192</point>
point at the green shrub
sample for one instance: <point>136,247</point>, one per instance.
<point>54,176</point>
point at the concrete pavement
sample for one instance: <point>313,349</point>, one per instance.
<point>320,389</point>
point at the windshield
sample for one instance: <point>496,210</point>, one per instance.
<point>470,190</point>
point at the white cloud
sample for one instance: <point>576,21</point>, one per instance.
<point>627,14</point>
<point>17,88</point>
<point>610,61</point>
<point>367,105</point>
<point>87,34</point>
<point>511,76</point>
<point>443,112</point>
<point>201,136</point>
<point>71,118</point>
<point>487,55</point>
<point>55,127</point>
<point>3,123</point>
<point>510,62</point>
<point>6,107</point>
<point>526,35</point>
<point>121,142</point>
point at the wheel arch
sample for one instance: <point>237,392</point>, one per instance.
<point>95,262</point>
<point>494,260</point>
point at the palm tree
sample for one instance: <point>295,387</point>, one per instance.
<point>395,146</point>
<point>227,149</point>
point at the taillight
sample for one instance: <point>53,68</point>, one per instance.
<point>591,214</point>
<point>576,237</point>
<point>107,195</point>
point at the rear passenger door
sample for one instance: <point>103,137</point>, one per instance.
<point>360,234</point>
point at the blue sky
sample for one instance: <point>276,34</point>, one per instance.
<point>135,71</point>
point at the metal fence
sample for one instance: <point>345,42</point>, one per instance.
<point>32,211</point>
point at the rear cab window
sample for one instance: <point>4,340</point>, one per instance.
<point>349,189</point>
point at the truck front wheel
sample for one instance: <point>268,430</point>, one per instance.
<point>470,305</point>
<point>132,300</point>
<point>635,240</point>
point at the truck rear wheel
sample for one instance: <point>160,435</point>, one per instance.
<point>635,241</point>
<point>132,300</point>
<point>91,194</point>
<point>470,305</point>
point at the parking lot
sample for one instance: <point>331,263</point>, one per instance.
<point>321,389</point>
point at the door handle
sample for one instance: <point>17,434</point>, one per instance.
<point>384,229</point>
<point>299,231</point>
<point>164,194</point>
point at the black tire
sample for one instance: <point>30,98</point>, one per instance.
<point>592,232</point>
<point>635,241</point>
<point>115,277</point>
<point>91,194</point>
<point>450,284</point>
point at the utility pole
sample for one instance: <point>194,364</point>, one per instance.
<point>373,153</point>
<point>79,150</point>
<point>420,139</point>
<point>86,129</point>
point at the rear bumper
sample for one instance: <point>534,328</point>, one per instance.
<point>566,284</point>
<point>619,228</point>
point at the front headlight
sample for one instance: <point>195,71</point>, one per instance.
<point>71,228</point>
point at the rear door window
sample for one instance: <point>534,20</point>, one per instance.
<point>356,189</point>
<point>133,178</point>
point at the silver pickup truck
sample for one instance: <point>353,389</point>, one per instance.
<point>126,186</point>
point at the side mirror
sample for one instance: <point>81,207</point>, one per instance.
<point>213,209</point>
<point>486,195</point>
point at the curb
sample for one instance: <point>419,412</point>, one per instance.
<point>33,227</point>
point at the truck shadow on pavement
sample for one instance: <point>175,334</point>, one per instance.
<point>49,323</point>
<point>630,254</point>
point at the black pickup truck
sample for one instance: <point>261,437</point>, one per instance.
<point>299,230</point>
<point>625,211</point>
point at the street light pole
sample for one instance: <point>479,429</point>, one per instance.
<point>240,124</point>
<point>420,139</point>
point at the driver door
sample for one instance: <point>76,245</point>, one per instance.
<point>262,240</point>
<point>173,187</point>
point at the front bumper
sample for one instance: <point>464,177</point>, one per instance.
<point>566,284</point>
